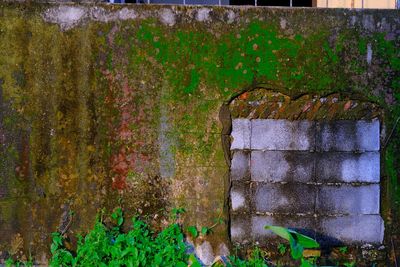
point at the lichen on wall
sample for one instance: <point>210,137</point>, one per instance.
<point>98,100</point>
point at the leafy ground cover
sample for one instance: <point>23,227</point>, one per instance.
<point>108,245</point>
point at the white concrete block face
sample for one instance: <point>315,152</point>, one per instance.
<point>205,253</point>
<point>240,229</point>
<point>240,166</point>
<point>348,136</point>
<point>281,166</point>
<point>353,229</point>
<point>348,199</point>
<point>268,134</point>
<point>241,134</point>
<point>238,200</point>
<point>348,167</point>
<point>239,197</point>
<point>238,234</point>
<point>284,198</point>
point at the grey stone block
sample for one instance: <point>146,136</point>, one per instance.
<point>351,229</point>
<point>268,134</point>
<point>348,199</point>
<point>348,167</point>
<point>284,198</point>
<point>239,196</point>
<point>301,224</point>
<point>278,166</point>
<point>240,166</point>
<point>240,229</point>
<point>205,253</point>
<point>348,136</point>
<point>241,134</point>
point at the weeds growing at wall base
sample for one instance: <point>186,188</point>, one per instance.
<point>142,247</point>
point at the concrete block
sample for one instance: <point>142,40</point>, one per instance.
<point>241,134</point>
<point>351,229</point>
<point>278,166</point>
<point>348,199</point>
<point>348,167</point>
<point>301,224</point>
<point>240,166</point>
<point>284,198</point>
<point>348,136</point>
<point>240,229</point>
<point>239,196</point>
<point>268,134</point>
<point>223,250</point>
<point>205,253</point>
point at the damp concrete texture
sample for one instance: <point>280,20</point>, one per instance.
<point>320,177</point>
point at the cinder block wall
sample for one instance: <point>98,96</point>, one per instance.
<point>321,178</point>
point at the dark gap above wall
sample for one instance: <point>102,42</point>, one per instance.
<point>295,3</point>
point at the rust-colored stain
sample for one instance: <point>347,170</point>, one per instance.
<point>244,96</point>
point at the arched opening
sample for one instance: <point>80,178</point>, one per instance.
<point>311,163</point>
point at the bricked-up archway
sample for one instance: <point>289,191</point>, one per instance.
<point>310,163</point>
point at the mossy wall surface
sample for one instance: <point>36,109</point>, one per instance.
<point>112,105</point>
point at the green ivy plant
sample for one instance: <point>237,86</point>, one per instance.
<point>297,243</point>
<point>256,259</point>
<point>282,249</point>
<point>10,262</point>
<point>204,230</point>
<point>141,246</point>
<point>109,246</point>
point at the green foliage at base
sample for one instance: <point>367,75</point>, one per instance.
<point>297,242</point>
<point>256,259</point>
<point>109,246</point>
<point>10,262</point>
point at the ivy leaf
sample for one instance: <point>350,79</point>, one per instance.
<point>306,263</point>
<point>194,261</point>
<point>282,249</point>
<point>296,240</point>
<point>193,231</point>
<point>280,231</point>
<point>305,241</point>
<point>205,230</point>
<point>181,264</point>
<point>219,221</point>
<point>120,221</point>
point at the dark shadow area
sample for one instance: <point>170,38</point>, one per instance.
<point>242,2</point>
<point>327,242</point>
<point>302,3</point>
<point>273,3</point>
<point>295,3</point>
<point>277,3</point>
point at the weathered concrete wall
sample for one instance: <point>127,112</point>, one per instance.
<point>102,103</point>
